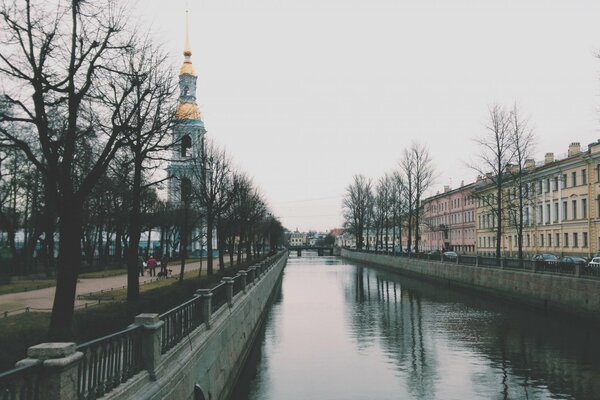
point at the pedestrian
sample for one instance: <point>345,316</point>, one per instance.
<point>141,265</point>
<point>164,263</point>
<point>151,263</point>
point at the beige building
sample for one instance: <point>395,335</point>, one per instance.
<point>561,207</point>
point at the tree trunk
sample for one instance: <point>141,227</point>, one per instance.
<point>133,269</point>
<point>209,238</point>
<point>69,261</point>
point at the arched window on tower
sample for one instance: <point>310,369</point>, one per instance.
<point>186,146</point>
<point>186,189</point>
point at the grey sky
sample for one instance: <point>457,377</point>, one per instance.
<point>306,93</point>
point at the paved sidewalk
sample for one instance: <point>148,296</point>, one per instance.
<point>42,299</point>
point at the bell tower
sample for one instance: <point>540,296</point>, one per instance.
<point>188,129</point>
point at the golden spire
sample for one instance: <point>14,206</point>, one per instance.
<point>187,68</point>
<point>187,49</point>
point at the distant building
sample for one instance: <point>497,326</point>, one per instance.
<point>298,239</point>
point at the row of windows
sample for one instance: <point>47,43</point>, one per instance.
<point>575,239</point>
<point>452,204</point>
<point>545,214</point>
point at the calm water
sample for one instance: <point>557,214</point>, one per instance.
<point>341,330</point>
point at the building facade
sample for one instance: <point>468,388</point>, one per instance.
<point>561,207</point>
<point>449,221</point>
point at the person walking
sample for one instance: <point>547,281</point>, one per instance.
<point>141,265</point>
<point>164,263</point>
<point>151,263</point>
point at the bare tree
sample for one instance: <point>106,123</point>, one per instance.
<point>523,142</point>
<point>356,206</point>
<point>496,152</point>
<point>53,58</point>
<point>407,167</point>
<point>212,173</point>
<point>423,178</point>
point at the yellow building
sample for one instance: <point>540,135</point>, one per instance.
<point>561,207</point>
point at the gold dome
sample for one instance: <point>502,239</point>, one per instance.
<point>187,111</point>
<point>187,68</point>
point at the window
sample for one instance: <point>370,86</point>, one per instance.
<point>548,213</point>
<point>573,178</point>
<point>585,239</point>
<point>566,240</point>
<point>186,188</point>
<point>564,210</point>
<point>540,212</point>
<point>539,187</point>
<point>556,211</point>
<point>186,146</point>
<point>575,241</point>
<point>574,204</point>
<point>556,183</point>
<point>528,240</point>
<point>584,176</point>
<point>547,184</point>
<point>597,172</point>
<point>557,244</point>
<point>564,181</point>
<point>542,240</point>
<point>549,240</point>
<point>583,208</point>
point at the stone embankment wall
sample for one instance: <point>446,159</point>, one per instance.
<point>211,358</point>
<point>574,295</point>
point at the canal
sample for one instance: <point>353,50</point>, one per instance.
<point>340,330</point>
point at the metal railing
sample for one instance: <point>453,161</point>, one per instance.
<point>21,383</point>
<point>109,361</point>
<point>538,266</point>
<point>219,296</point>
<point>179,322</point>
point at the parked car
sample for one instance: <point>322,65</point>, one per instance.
<point>546,258</point>
<point>434,253</point>
<point>573,260</point>
<point>450,255</point>
<point>595,263</point>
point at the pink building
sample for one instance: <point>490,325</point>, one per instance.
<point>449,220</point>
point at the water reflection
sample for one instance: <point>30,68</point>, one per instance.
<point>347,331</point>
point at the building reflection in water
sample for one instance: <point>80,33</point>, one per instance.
<point>442,340</point>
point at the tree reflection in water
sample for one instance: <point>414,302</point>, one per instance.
<point>518,352</point>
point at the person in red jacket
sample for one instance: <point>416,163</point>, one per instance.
<point>151,263</point>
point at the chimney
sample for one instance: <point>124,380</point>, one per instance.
<point>574,148</point>
<point>446,188</point>
<point>548,158</point>
<point>594,147</point>
<point>512,168</point>
<point>529,163</point>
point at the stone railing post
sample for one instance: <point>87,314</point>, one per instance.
<point>242,275</point>
<point>577,270</point>
<point>206,296</point>
<point>151,341</point>
<point>228,289</point>
<point>441,256</point>
<point>60,362</point>
<point>252,273</point>
<point>502,262</point>
<point>477,260</point>
<point>458,259</point>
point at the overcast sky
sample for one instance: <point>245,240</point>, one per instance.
<point>306,93</point>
